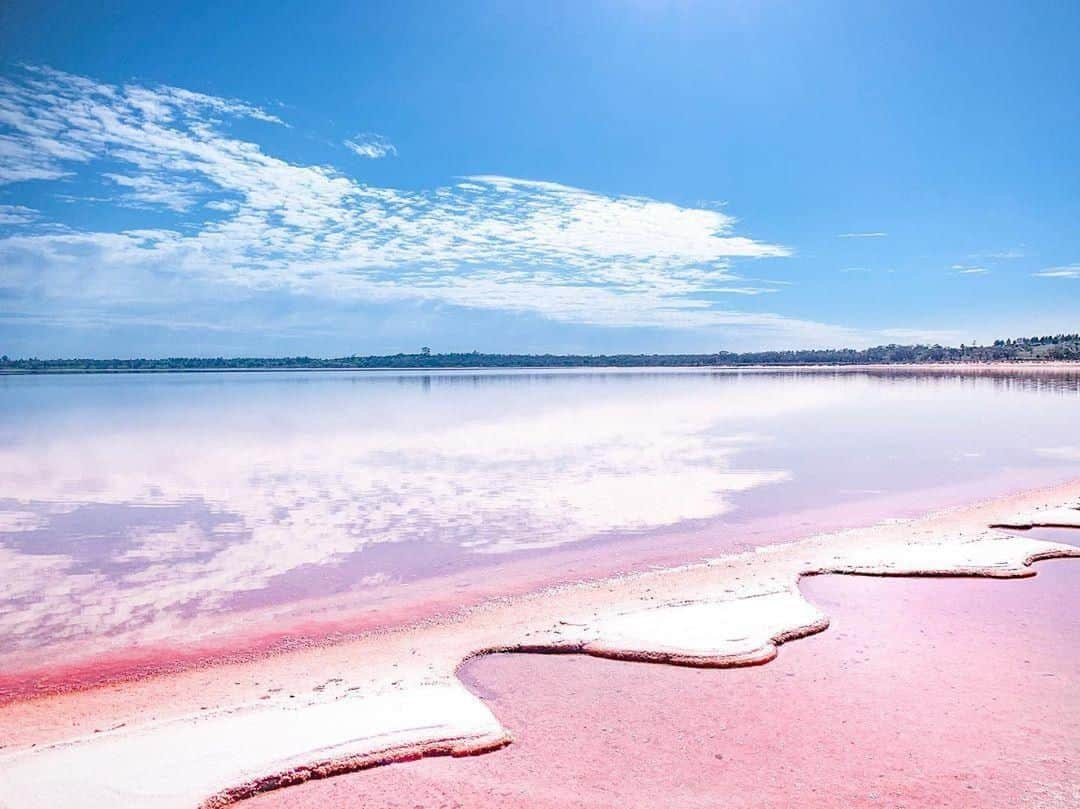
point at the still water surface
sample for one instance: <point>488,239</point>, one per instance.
<point>140,510</point>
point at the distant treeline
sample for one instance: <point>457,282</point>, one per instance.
<point>1054,347</point>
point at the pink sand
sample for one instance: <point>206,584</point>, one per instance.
<point>923,692</point>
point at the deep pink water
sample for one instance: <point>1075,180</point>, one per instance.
<point>153,518</point>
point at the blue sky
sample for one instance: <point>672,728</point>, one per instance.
<point>331,178</point>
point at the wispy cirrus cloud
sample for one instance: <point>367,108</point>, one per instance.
<point>150,190</point>
<point>1068,271</point>
<point>17,215</point>
<point>488,242</point>
<point>873,234</point>
<point>371,146</point>
<point>926,336</point>
<point>866,270</point>
<point>964,269</point>
<point>1001,255</point>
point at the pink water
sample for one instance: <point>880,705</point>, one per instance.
<point>922,693</point>
<point>149,521</point>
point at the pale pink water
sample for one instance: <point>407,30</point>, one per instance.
<point>150,522</point>
<point>923,692</point>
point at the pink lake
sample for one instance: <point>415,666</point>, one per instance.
<point>150,522</point>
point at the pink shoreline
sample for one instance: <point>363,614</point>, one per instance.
<point>441,598</point>
<point>923,692</point>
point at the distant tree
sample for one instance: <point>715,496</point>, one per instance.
<point>1061,346</point>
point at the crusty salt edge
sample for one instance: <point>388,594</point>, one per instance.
<point>1049,517</point>
<point>234,755</point>
<point>726,612</point>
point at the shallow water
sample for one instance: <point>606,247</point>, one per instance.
<point>144,510</point>
<point>923,692</point>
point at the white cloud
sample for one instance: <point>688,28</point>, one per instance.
<point>742,290</point>
<point>1001,255</point>
<point>17,215</point>
<point>966,270</point>
<point>148,189</point>
<point>371,145</point>
<point>924,336</point>
<point>875,234</point>
<point>1070,271</point>
<point>489,242</point>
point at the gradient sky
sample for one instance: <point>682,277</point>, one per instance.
<point>333,178</point>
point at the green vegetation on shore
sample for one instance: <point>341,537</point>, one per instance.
<point>1032,349</point>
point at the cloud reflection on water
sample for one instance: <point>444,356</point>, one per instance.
<point>131,506</point>
<point>135,526</point>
